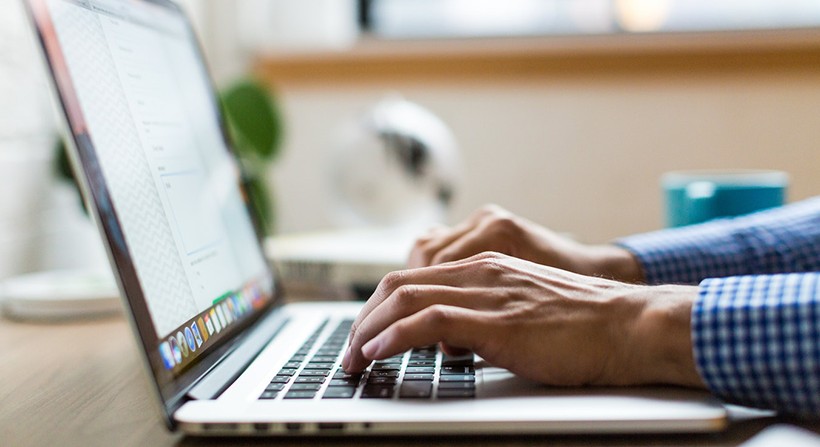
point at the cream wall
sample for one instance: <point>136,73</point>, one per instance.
<point>579,152</point>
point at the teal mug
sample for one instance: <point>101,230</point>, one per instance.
<point>698,196</point>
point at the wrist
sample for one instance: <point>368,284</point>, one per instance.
<point>612,261</point>
<point>660,340</point>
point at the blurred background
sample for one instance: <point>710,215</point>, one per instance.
<point>564,111</point>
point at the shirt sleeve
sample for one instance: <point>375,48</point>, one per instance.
<point>756,340</point>
<point>780,240</point>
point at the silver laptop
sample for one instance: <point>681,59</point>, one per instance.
<point>224,354</point>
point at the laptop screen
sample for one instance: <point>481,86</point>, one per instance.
<point>165,185</point>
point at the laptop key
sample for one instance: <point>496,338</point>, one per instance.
<point>377,392</point>
<point>416,376</point>
<point>344,382</point>
<point>318,365</point>
<point>269,395</point>
<point>292,364</point>
<point>391,361</point>
<point>280,379</point>
<point>314,372</point>
<point>339,392</point>
<point>457,378</point>
<point>286,372</point>
<point>387,367</point>
<point>382,380</point>
<point>421,363</point>
<point>275,387</point>
<point>415,390</point>
<point>456,385</point>
<point>450,394</point>
<point>341,374</point>
<point>446,370</point>
<point>305,386</point>
<point>300,395</point>
<point>324,358</point>
<point>384,373</point>
<point>420,370</point>
<point>310,379</point>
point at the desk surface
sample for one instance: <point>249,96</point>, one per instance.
<point>81,384</point>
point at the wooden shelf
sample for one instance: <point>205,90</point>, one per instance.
<point>374,60</point>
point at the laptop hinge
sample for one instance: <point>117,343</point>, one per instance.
<point>226,372</point>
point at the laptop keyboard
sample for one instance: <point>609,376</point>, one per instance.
<point>423,373</point>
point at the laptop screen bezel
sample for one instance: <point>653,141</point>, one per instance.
<point>171,389</point>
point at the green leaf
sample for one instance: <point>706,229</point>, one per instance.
<point>254,119</point>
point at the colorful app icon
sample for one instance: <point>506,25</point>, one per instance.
<point>175,350</point>
<point>167,355</point>
<point>237,305</point>
<point>196,334</point>
<point>221,314</point>
<point>202,329</point>
<point>227,312</point>
<point>215,319</point>
<point>208,324</point>
<point>189,338</point>
<point>182,344</point>
<point>231,308</point>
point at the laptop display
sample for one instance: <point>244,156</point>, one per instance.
<point>149,136</point>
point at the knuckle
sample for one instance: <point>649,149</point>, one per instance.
<point>506,225</point>
<point>393,280</point>
<point>438,315</point>
<point>405,295</point>
<point>492,264</point>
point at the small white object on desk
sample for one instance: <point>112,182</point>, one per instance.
<point>339,264</point>
<point>60,295</point>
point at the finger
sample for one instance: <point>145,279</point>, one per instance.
<point>454,326</point>
<point>458,274</point>
<point>409,300</point>
<point>477,240</point>
<point>426,247</point>
<point>452,350</point>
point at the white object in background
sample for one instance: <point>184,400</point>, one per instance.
<point>292,26</point>
<point>60,295</point>
<point>25,174</point>
<point>784,435</point>
<point>398,165</point>
<point>66,238</point>
<point>339,264</point>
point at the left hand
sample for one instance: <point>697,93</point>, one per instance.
<point>542,323</point>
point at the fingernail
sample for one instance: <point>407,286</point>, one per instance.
<point>346,358</point>
<point>371,348</point>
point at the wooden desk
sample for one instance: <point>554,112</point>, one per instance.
<point>80,384</point>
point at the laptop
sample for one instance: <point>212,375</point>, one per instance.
<point>225,355</point>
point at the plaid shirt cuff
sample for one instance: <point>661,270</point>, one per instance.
<point>756,340</point>
<point>780,240</point>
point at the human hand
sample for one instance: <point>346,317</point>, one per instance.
<point>539,322</point>
<point>493,228</point>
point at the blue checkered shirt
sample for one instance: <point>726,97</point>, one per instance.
<point>756,322</point>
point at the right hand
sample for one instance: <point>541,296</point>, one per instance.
<point>495,229</point>
<point>542,323</point>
